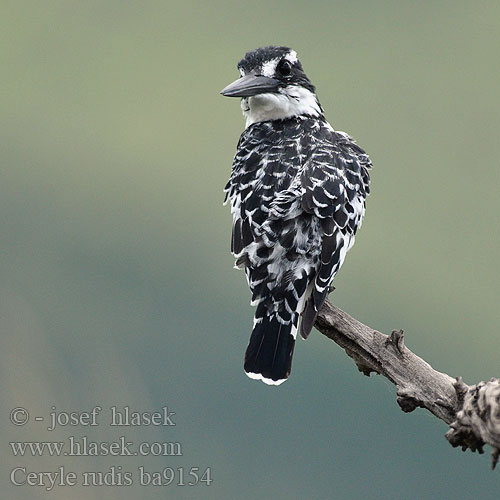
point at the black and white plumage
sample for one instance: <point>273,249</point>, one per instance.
<point>297,192</point>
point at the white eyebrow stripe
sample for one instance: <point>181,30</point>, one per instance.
<point>292,56</point>
<point>269,67</point>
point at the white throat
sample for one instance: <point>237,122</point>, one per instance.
<point>291,101</point>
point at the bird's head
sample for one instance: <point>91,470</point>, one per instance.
<point>273,86</point>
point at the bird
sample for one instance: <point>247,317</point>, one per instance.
<point>297,194</point>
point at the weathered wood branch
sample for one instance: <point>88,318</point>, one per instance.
<point>472,412</point>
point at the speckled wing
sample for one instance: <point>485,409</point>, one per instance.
<point>335,182</point>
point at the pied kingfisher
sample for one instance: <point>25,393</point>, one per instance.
<point>297,192</point>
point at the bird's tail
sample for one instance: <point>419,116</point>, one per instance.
<point>269,353</point>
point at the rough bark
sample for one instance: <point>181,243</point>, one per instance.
<point>472,412</point>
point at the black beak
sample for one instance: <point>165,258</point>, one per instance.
<point>250,85</point>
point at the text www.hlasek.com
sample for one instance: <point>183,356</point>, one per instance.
<point>85,447</point>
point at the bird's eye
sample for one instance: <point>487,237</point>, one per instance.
<point>284,67</point>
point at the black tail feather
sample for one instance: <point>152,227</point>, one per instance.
<point>269,353</point>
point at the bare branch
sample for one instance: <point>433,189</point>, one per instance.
<point>473,412</point>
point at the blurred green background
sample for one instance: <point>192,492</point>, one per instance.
<point>117,285</point>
